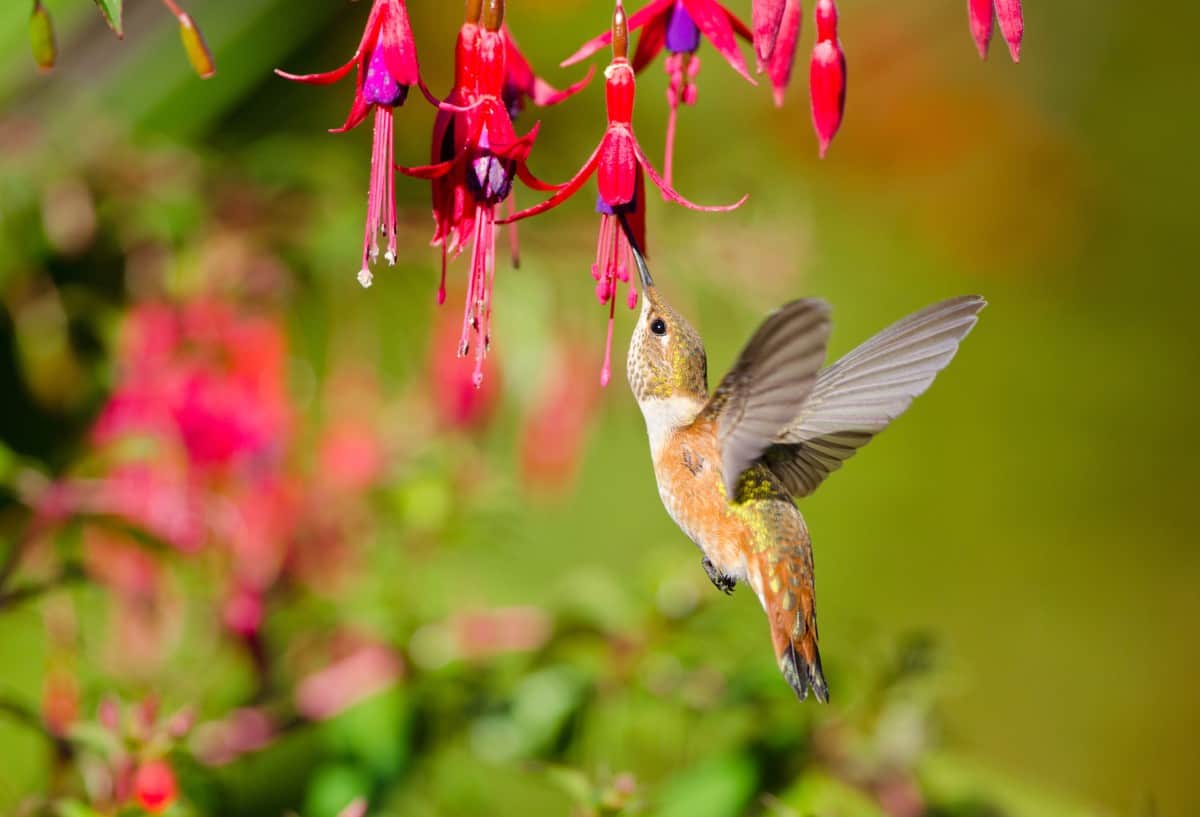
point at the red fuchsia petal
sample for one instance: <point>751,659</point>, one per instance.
<point>1012,25</point>
<point>358,112</point>
<point>714,21</point>
<point>650,43</point>
<point>827,76</point>
<point>635,21</point>
<point>617,168</point>
<point>767,17</point>
<point>399,48</point>
<point>569,189</point>
<point>544,94</point>
<point>636,219</point>
<point>429,172</point>
<point>670,194</point>
<point>980,13</point>
<point>827,85</point>
<point>326,78</point>
<point>779,67</point>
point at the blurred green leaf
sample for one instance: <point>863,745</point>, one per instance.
<point>819,793</point>
<point>333,788</point>
<point>112,11</point>
<point>720,787</point>
<point>41,36</point>
<point>73,808</point>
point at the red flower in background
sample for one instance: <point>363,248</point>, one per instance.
<point>554,432</point>
<point>618,164</point>
<point>386,60</point>
<point>482,158</point>
<point>1012,24</point>
<point>154,786</point>
<point>677,26</point>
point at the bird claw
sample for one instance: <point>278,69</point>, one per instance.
<point>720,581</point>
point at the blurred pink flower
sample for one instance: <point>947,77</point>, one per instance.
<point>502,630</point>
<point>555,430</point>
<point>367,671</point>
<point>240,732</point>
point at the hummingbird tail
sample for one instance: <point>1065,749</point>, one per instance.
<point>787,597</point>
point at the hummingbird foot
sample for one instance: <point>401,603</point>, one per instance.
<point>720,580</point>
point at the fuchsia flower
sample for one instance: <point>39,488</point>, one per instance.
<point>1012,24</point>
<point>618,163</point>
<point>827,76</point>
<point>481,157</point>
<point>677,25</point>
<point>386,60</point>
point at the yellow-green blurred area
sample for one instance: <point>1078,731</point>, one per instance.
<point>1029,522</point>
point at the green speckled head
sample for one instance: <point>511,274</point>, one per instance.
<point>666,355</point>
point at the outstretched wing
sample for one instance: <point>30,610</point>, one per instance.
<point>857,397</point>
<point>768,385</point>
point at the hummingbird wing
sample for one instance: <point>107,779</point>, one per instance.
<point>857,397</point>
<point>766,389</point>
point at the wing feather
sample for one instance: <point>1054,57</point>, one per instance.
<point>862,393</point>
<point>768,386</point>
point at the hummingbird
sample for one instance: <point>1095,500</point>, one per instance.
<point>730,465</point>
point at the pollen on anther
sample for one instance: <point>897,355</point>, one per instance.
<point>365,278</point>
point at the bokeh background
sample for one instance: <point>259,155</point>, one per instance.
<point>336,571</point>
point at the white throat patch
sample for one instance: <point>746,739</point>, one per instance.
<point>666,414</point>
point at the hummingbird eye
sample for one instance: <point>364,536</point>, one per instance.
<point>658,326</point>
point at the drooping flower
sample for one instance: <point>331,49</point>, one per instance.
<point>481,157</point>
<point>618,163</point>
<point>827,76</point>
<point>1012,24</point>
<point>677,26</point>
<point>386,60</point>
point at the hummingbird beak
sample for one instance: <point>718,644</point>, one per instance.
<point>643,270</point>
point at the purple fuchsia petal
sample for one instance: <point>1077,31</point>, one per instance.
<point>683,36</point>
<point>569,189</point>
<point>981,16</point>
<point>379,86</point>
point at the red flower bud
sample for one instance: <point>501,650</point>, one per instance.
<point>827,76</point>
<point>154,786</point>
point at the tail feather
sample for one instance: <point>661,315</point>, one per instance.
<point>785,588</point>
